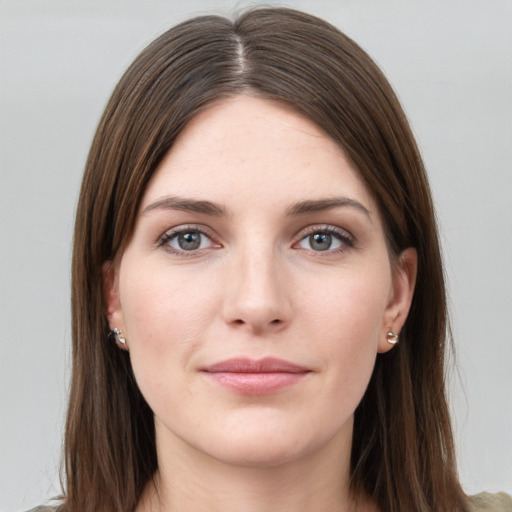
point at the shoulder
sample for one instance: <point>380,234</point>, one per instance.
<point>43,508</point>
<point>486,502</point>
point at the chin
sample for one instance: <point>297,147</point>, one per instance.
<point>257,455</point>
<point>271,445</point>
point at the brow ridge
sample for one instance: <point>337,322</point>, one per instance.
<point>319,205</point>
<point>306,207</point>
<point>190,205</point>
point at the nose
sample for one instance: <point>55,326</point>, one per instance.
<point>257,294</point>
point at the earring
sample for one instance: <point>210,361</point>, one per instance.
<point>392,338</point>
<point>117,335</point>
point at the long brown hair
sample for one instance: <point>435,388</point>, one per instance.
<point>403,453</point>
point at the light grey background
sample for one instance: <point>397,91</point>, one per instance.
<point>451,63</point>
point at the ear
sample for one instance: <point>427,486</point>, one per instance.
<point>403,283</point>
<point>111,294</point>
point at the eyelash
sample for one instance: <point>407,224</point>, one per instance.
<point>346,240</point>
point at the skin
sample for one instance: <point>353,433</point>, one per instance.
<point>257,286</point>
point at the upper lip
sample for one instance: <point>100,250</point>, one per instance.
<point>247,365</point>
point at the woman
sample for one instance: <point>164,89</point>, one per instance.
<point>259,312</point>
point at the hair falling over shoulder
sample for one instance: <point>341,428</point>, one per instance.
<point>403,452</point>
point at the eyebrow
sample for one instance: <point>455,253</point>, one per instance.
<point>320,205</point>
<point>301,208</point>
<point>189,205</point>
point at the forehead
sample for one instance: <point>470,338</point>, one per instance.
<point>245,149</point>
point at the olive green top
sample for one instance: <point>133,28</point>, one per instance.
<point>483,502</point>
<point>486,502</point>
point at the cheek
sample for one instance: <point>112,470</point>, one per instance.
<point>346,321</point>
<point>165,315</point>
<point>350,307</point>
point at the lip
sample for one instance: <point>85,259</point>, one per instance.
<point>255,376</point>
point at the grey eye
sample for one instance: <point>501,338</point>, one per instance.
<point>189,240</point>
<point>320,241</point>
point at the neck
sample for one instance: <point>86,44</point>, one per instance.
<point>189,480</point>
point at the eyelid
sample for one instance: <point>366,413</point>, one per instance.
<point>329,228</point>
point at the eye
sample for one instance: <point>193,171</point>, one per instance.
<point>185,240</point>
<point>325,239</point>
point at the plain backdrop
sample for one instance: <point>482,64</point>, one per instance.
<point>451,64</point>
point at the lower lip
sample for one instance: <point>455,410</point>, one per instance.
<point>256,383</point>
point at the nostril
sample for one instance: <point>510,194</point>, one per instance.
<point>276,321</point>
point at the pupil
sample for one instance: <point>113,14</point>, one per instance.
<point>320,241</point>
<point>189,241</point>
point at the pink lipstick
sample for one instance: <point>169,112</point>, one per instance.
<point>255,377</point>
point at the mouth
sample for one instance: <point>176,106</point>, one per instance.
<point>255,377</point>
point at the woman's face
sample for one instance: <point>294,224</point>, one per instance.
<point>257,288</point>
